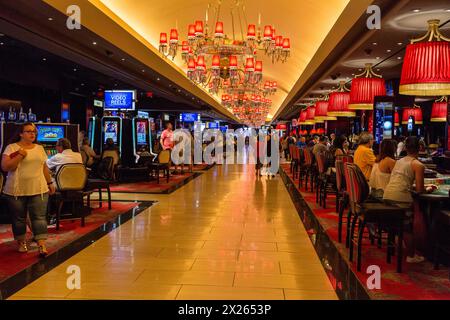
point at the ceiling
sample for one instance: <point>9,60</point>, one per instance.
<point>384,48</point>
<point>292,19</point>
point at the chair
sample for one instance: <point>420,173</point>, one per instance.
<point>440,232</point>
<point>116,160</point>
<point>71,181</point>
<point>325,183</point>
<point>309,168</point>
<point>84,157</point>
<point>104,176</point>
<point>163,163</point>
<point>295,160</point>
<point>386,217</point>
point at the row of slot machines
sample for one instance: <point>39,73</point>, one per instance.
<point>132,137</point>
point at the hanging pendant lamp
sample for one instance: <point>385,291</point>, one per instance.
<point>415,112</point>
<point>302,117</point>
<point>426,67</point>
<point>439,110</point>
<point>365,87</point>
<point>310,113</point>
<point>338,102</point>
<point>322,110</point>
<point>396,119</point>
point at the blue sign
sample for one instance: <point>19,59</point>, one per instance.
<point>213,125</point>
<point>123,100</point>
<point>189,117</point>
<point>49,133</point>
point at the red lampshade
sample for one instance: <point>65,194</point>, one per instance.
<point>185,47</point>
<point>364,89</point>
<point>191,31</point>
<point>233,62</point>
<point>310,114</point>
<point>201,65</point>
<point>439,111</point>
<point>258,66</point>
<point>250,65</point>
<point>313,131</point>
<point>321,113</point>
<point>215,64</point>
<point>191,65</point>
<point>286,44</point>
<point>163,38</point>
<point>396,119</point>
<point>273,34</point>
<point>274,84</point>
<point>198,27</point>
<point>426,66</point>
<point>302,117</point>
<point>338,103</point>
<point>251,32</point>
<point>268,32</point>
<point>415,112</point>
<point>219,29</point>
<point>279,41</point>
<point>173,35</point>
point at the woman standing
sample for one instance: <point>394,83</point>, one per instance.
<point>27,187</point>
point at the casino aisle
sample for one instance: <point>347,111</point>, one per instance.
<point>224,235</point>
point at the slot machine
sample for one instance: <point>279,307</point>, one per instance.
<point>48,135</point>
<point>112,128</point>
<point>94,133</point>
<point>142,137</point>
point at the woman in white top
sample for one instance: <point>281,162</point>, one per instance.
<point>27,187</point>
<point>398,191</point>
<point>381,171</point>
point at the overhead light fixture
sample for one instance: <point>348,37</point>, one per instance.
<point>426,66</point>
<point>50,19</point>
<point>416,10</point>
<point>415,112</point>
<point>74,69</point>
<point>338,102</point>
<point>399,58</point>
<point>44,59</point>
<point>375,43</point>
<point>123,59</point>
<point>321,113</point>
<point>388,50</point>
<point>400,43</point>
<point>439,110</point>
<point>158,79</point>
<point>94,43</point>
<point>365,87</point>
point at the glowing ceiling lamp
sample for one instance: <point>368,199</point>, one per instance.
<point>365,87</point>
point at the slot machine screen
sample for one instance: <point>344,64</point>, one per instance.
<point>384,121</point>
<point>49,134</point>
<point>111,130</point>
<point>141,132</point>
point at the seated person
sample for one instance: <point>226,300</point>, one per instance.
<point>406,172</point>
<point>90,153</point>
<point>321,146</point>
<point>381,171</point>
<point>364,157</point>
<point>64,155</point>
<point>301,142</point>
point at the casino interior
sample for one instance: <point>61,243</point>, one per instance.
<point>104,100</point>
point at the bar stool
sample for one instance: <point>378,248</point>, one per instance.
<point>388,218</point>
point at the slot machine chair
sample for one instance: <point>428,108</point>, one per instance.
<point>71,182</point>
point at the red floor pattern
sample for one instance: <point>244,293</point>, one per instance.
<point>153,187</point>
<point>12,261</point>
<point>416,282</point>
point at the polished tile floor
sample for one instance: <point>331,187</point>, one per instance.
<point>225,235</point>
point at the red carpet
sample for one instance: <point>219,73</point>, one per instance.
<point>416,282</point>
<point>152,187</point>
<point>12,262</point>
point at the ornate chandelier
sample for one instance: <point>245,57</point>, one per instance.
<point>222,63</point>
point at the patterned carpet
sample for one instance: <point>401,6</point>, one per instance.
<point>12,261</point>
<point>416,282</point>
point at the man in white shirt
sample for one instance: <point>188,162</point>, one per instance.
<point>64,155</point>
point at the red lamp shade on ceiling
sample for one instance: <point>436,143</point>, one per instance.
<point>191,65</point>
<point>250,65</point>
<point>268,32</point>
<point>215,64</point>
<point>415,112</point>
<point>233,62</point>
<point>163,38</point>
<point>426,66</point>
<point>396,119</point>
<point>174,36</point>
<point>201,65</point>
<point>251,32</point>
<point>439,110</point>
<point>338,102</point>
<point>364,89</point>
<point>185,47</point>
<point>259,66</point>
<point>279,41</point>
<point>198,27</point>
<point>219,30</point>
<point>310,114</point>
<point>302,117</point>
<point>313,131</point>
<point>321,113</point>
<point>286,44</point>
<point>191,31</point>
